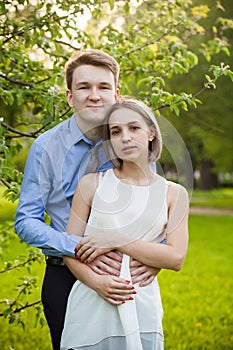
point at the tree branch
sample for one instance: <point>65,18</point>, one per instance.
<point>17,265</point>
<point>16,81</point>
<point>33,134</point>
<point>5,183</point>
<point>31,85</point>
<point>205,87</point>
<point>148,43</point>
<point>67,44</point>
<point>26,306</point>
<point>18,132</point>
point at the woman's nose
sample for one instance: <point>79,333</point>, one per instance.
<point>126,136</point>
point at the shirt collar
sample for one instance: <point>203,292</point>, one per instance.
<point>77,134</point>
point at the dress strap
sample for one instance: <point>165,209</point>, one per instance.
<point>100,177</point>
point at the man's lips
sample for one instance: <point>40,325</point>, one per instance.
<point>95,106</point>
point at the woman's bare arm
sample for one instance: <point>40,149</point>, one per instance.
<point>113,289</point>
<point>170,255</point>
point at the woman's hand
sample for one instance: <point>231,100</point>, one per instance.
<point>89,248</point>
<point>114,290</point>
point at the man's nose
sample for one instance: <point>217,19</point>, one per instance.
<point>94,94</point>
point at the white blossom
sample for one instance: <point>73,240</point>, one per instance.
<point>53,90</point>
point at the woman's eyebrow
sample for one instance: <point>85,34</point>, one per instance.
<point>113,127</point>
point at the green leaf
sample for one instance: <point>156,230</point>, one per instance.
<point>155,100</point>
<point>176,109</point>
<point>111,4</point>
<point>184,106</point>
<point>208,78</point>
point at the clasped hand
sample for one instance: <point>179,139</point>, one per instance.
<point>90,248</point>
<point>93,246</point>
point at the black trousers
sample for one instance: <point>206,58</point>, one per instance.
<point>58,281</point>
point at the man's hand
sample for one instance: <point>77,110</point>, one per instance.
<point>142,273</point>
<point>108,264</point>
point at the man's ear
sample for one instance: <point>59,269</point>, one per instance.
<point>69,98</point>
<point>152,133</point>
<point>117,94</point>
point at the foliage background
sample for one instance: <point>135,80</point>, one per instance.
<point>173,54</point>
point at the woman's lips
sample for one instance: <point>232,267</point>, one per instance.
<point>129,149</point>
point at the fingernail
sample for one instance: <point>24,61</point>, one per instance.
<point>131,298</point>
<point>134,292</point>
<point>123,302</point>
<point>127,281</point>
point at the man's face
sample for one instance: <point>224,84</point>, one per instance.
<point>93,90</point>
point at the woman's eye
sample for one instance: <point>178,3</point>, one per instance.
<point>115,132</point>
<point>134,127</point>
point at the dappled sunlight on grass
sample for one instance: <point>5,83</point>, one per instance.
<point>197,300</point>
<point>220,198</point>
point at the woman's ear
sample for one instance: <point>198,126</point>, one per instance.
<point>152,133</point>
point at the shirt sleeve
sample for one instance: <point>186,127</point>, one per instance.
<point>30,224</point>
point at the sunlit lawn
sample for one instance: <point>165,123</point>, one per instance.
<point>220,198</point>
<point>197,301</point>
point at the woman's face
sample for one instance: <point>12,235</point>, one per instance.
<point>129,135</point>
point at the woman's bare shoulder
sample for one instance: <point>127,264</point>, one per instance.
<point>87,186</point>
<point>176,190</point>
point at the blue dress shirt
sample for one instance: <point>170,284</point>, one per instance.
<point>56,161</point>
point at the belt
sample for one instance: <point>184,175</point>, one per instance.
<point>54,261</point>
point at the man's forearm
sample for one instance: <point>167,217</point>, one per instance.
<point>38,234</point>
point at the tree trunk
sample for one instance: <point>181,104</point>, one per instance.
<point>208,176</point>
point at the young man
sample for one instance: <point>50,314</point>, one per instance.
<point>56,162</point>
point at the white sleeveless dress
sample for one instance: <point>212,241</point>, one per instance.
<point>139,212</point>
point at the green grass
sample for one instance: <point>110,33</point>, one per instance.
<point>14,337</point>
<point>7,209</point>
<point>220,198</point>
<point>197,300</point>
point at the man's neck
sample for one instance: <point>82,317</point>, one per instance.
<point>93,134</point>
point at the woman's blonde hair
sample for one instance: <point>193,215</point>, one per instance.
<point>155,146</point>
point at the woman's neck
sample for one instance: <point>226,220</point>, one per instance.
<point>135,174</point>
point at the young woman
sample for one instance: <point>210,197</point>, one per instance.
<point>129,209</point>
